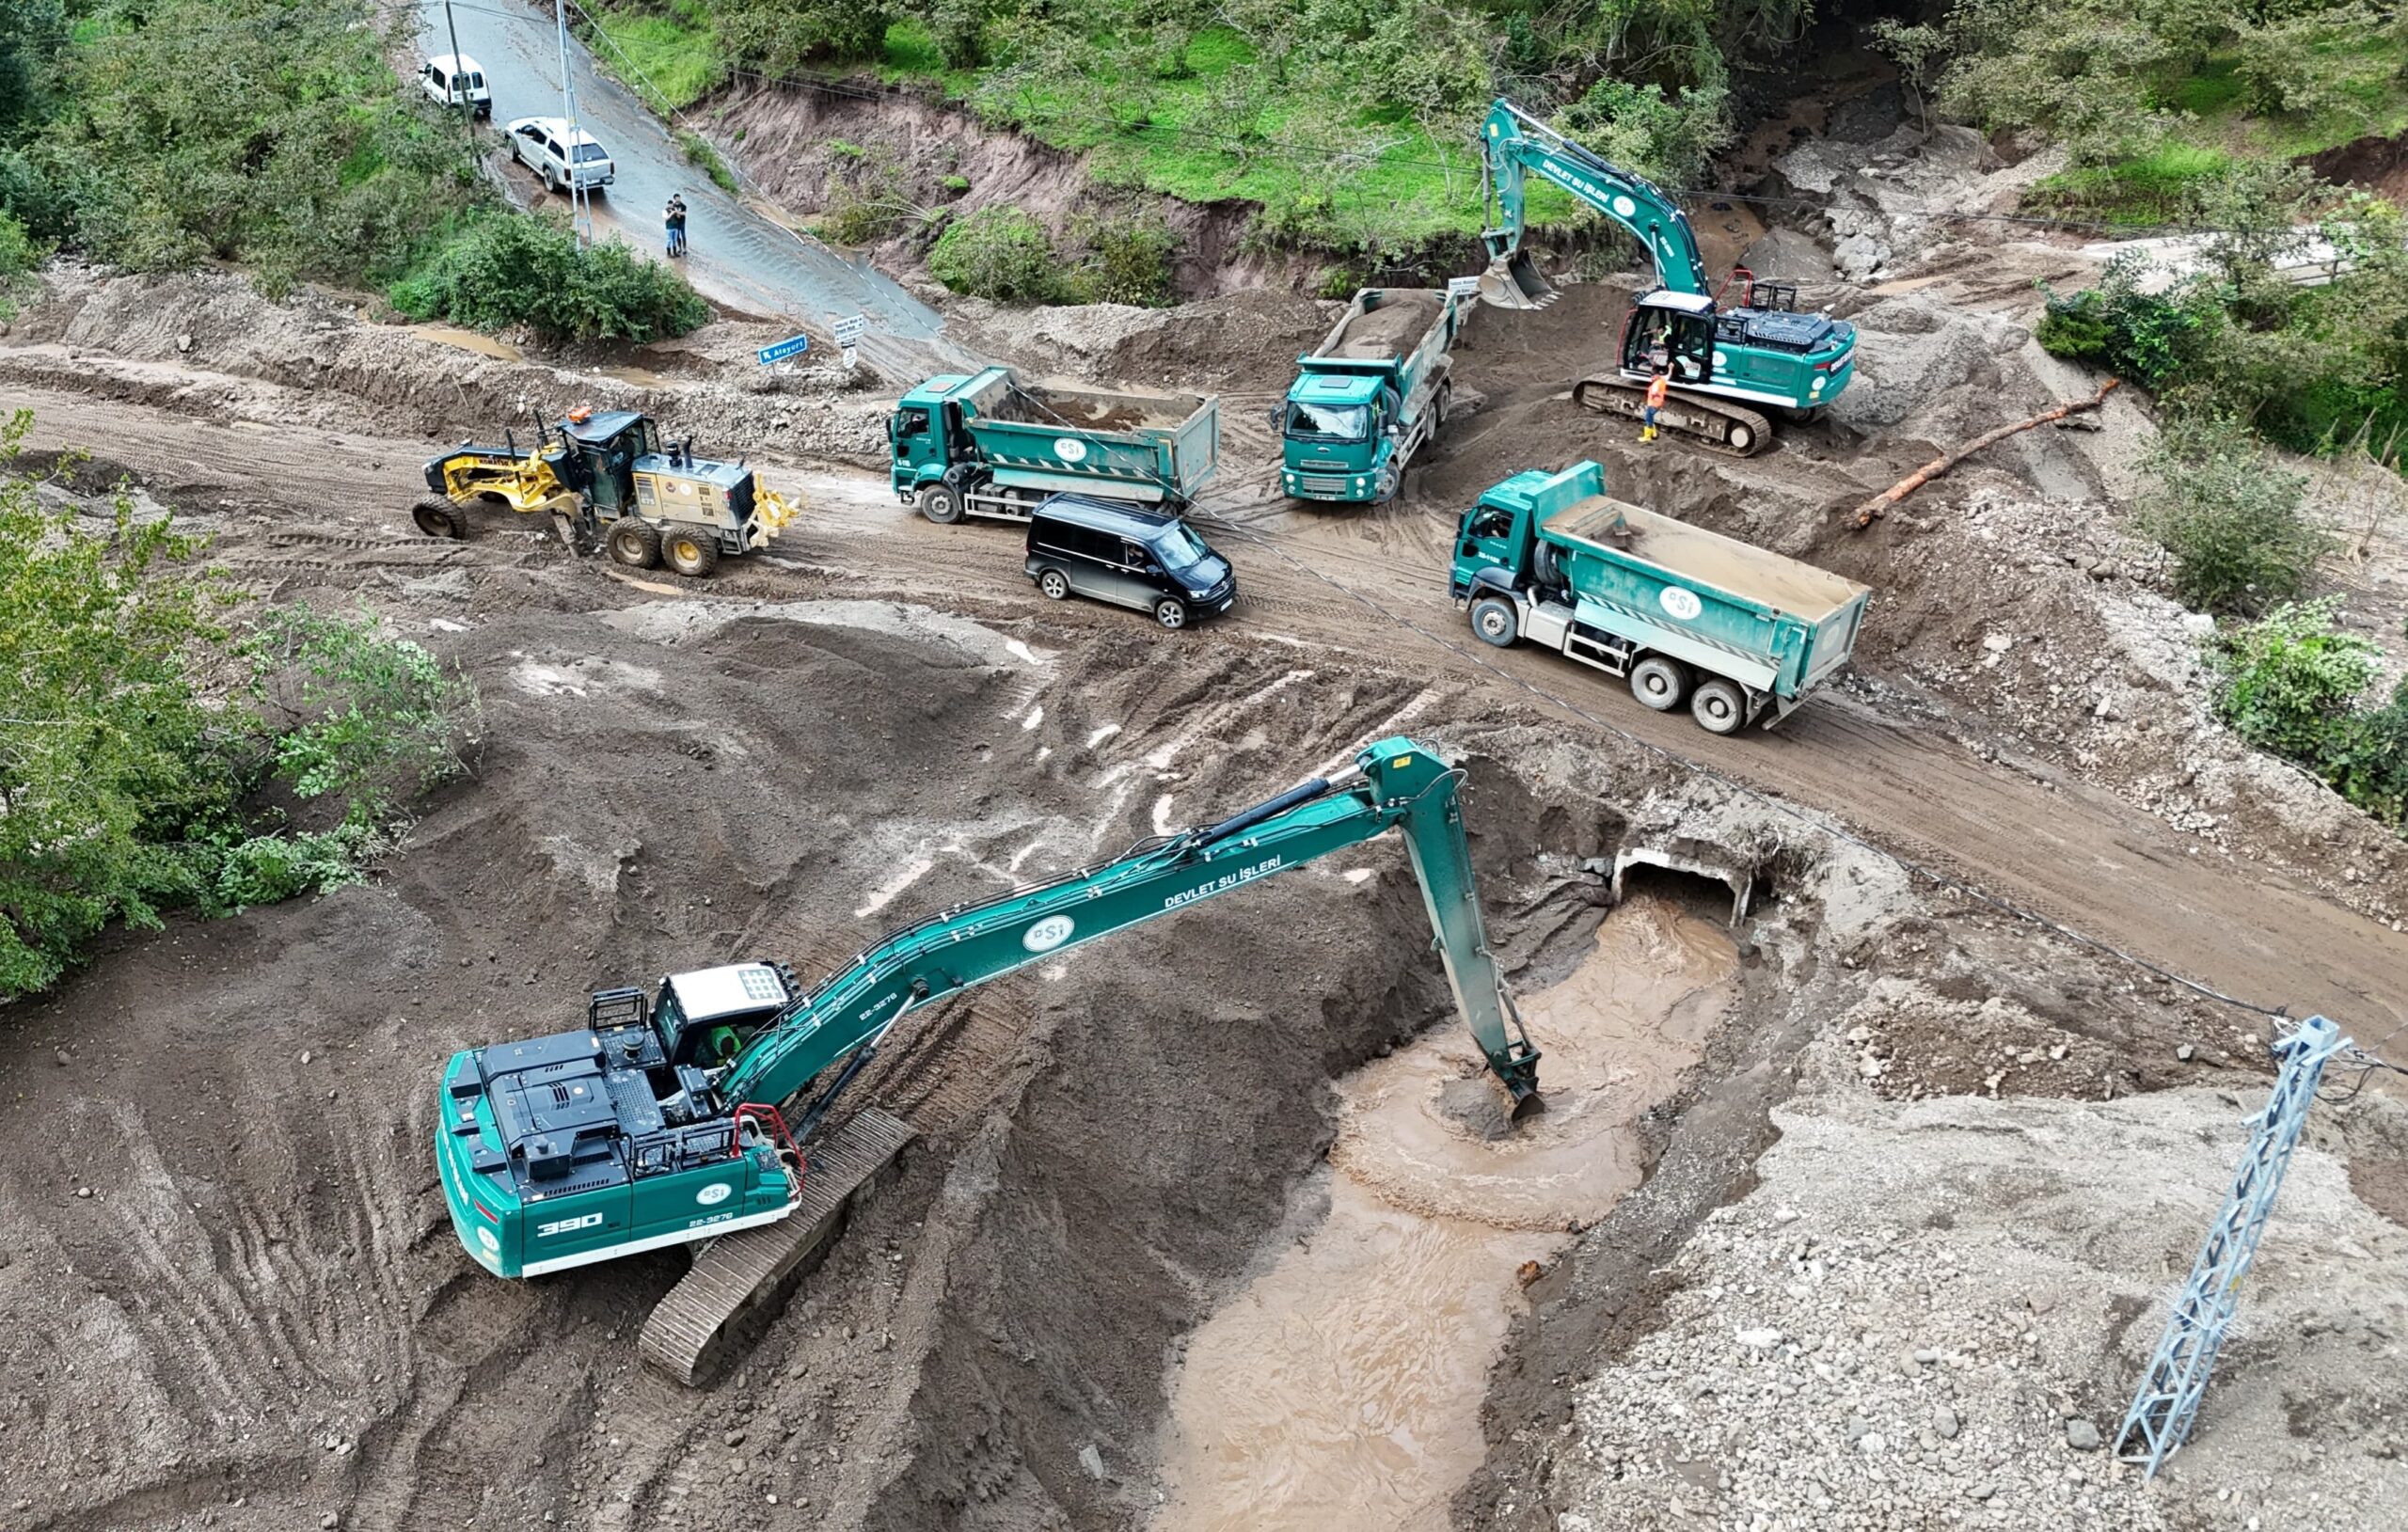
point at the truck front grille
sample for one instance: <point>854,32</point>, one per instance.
<point>1320,484</point>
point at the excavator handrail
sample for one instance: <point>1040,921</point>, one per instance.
<point>968,945</point>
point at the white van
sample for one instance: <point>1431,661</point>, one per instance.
<point>542,144</point>
<point>448,80</point>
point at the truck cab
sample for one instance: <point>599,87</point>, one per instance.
<point>1337,433</point>
<point>920,435</point>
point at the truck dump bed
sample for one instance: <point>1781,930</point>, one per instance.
<point>1382,324</point>
<point>1778,624</point>
<point>1057,437</point>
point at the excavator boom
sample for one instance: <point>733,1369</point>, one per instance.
<point>1515,144</point>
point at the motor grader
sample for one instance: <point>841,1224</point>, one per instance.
<point>610,476</point>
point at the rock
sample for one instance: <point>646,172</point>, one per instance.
<point>1926,1357</point>
<point>83,1190</point>
<point>1996,643</point>
<point>184,343</point>
<point>1092,1458</point>
<point>733,1438</point>
<point>1785,1215</point>
<point>305,1055</point>
<point>61,1059</point>
<point>1857,1428</point>
<point>1980,1491</point>
<point>1759,1340</point>
<point>2183,1055</point>
<point>1943,1422</point>
<point>2199,622</point>
<point>329,1519</point>
<point>1872,1442</point>
<point>2081,1435</point>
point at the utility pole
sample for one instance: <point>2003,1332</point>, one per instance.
<point>467,107</point>
<point>580,206</point>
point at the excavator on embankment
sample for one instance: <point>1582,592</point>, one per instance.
<point>662,1121</point>
<point>1727,362</point>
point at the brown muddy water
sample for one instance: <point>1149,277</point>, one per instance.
<point>1341,1391</point>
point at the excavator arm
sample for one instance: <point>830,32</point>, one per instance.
<point>1396,783</point>
<point>1514,145</point>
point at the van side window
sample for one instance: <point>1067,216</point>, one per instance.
<point>1058,537</point>
<point>435,72</point>
<point>1134,556</point>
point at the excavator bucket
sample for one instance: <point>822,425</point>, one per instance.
<point>1514,282</point>
<point>1527,1107</point>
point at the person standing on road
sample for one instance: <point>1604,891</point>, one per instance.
<point>674,216</point>
<point>1659,389</point>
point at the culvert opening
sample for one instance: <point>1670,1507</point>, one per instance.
<point>1694,875</point>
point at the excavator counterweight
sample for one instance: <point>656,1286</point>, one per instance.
<point>664,1119</point>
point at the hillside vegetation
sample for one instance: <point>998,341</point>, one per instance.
<point>273,135</point>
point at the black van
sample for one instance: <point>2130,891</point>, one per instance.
<point>1142,558</point>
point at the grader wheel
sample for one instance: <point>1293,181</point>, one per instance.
<point>439,517</point>
<point>634,542</point>
<point>690,551</point>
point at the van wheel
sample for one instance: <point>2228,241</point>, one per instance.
<point>1719,707</point>
<point>1494,619</point>
<point>940,504</point>
<point>1054,584</point>
<point>634,542</point>
<point>441,519</point>
<point>1171,613</point>
<point>692,551</point>
<point>1658,683</point>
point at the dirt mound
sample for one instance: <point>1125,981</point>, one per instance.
<point>1243,341</point>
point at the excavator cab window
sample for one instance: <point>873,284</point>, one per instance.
<point>1682,344</point>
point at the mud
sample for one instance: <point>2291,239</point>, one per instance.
<point>1340,1389</point>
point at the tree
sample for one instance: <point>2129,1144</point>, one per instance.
<point>2230,516</point>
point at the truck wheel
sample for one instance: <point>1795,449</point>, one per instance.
<point>634,542</point>
<point>1719,707</point>
<point>1171,613</point>
<point>1494,619</point>
<point>692,551</point>
<point>441,519</point>
<point>940,504</point>
<point>1439,411</point>
<point>1054,584</point>
<point>1658,683</point>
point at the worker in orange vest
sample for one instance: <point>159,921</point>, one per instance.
<point>1657,388</point>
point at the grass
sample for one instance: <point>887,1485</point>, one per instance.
<point>1175,138</point>
<point>2213,127</point>
<point>676,51</point>
<point>699,151</point>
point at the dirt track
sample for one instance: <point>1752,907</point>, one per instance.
<point>2033,837</point>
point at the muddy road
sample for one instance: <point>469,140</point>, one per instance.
<point>1372,589</point>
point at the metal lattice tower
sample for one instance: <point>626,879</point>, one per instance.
<point>2168,1397</point>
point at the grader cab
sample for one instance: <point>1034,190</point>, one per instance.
<point>609,477</point>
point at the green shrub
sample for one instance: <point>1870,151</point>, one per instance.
<point>700,152</point>
<point>2141,336</point>
<point>1640,129</point>
<point>779,37</point>
<point>1128,259</point>
<point>2230,516</point>
<point>2366,759</point>
<point>18,258</point>
<point>1000,253</point>
<point>131,778</point>
<point>511,270</point>
<point>2288,680</point>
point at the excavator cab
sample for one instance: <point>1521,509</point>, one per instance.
<point>1672,329</point>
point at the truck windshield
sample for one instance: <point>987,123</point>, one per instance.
<point>1328,422</point>
<point>1178,547</point>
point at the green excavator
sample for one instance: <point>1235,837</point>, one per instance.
<point>1729,354</point>
<point>661,1120</point>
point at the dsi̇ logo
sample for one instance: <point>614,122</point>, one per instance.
<point>1070,450</point>
<point>1680,604</point>
<point>717,1191</point>
<point>1048,934</point>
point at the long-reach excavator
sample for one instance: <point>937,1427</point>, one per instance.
<point>661,1120</point>
<point>1722,361</point>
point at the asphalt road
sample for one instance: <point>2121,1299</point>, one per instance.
<point>739,258</point>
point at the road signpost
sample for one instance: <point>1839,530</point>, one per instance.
<point>770,355</point>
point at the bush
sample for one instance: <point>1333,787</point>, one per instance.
<point>1128,261</point>
<point>512,269</point>
<point>2366,759</point>
<point>2289,680</point>
<point>1000,253</point>
<point>2141,336</point>
<point>700,152</point>
<point>2228,514</point>
<point>18,258</point>
<point>1640,129</point>
<point>130,787</point>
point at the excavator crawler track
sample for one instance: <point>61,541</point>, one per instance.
<point>731,1275</point>
<point>1715,424</point>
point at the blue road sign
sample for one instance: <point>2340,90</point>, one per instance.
<point>784,348</point>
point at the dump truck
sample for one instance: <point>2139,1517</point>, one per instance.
<point>611,475</point>
<point>1372,394</point>
<point>994,445</point>
<point>1738,632</point>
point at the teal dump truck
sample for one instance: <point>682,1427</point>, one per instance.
<point>1738,632</point>
<point>1371,395</point>
<point>995,444</point>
